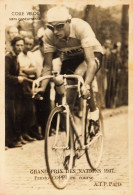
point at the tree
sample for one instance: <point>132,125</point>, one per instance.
<point>124,35</point>
<point>91,17</point>
<point>104,22</point>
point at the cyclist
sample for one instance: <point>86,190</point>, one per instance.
<point>79,50</point>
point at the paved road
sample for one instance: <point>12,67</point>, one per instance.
<point>23,165</point>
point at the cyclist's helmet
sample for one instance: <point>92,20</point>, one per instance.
<point>58,13</point>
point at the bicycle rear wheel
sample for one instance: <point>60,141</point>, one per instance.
<point>58,148</point>
<point>95,147</point>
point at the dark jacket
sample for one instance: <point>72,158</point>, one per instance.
<point>12,86</point>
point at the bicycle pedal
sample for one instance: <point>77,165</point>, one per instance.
<point>67,159</point>
<point>66,162</point>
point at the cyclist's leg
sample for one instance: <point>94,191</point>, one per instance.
<point>94,111</point>
<point>92,100</point>
<point>69,67</point>
<point>71,94</point>
<point>81,70</point>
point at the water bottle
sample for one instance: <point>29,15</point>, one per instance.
<point>59,84</point>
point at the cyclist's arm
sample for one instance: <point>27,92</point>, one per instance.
<point>47,69</point>
<point>89,43</point>
<point>91,65</point>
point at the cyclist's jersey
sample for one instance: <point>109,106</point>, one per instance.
<point>81,36</point>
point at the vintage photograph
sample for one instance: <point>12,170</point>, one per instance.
<point>66,121</point>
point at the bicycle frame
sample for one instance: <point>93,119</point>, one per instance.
<point>81,140</point>
<point>61,150</point>
<point>80,80</point>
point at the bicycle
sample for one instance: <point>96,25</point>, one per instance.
<point>63,143</point>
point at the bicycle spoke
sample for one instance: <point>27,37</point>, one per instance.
<point>57,152</point>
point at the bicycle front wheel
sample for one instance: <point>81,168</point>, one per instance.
<point>58,148</point>
<point>95,146</point>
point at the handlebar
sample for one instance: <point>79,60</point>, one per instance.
<point>27,79</point>
<point>36,83</point>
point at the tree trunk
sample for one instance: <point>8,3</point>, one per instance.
<point>124,54</point>
<point>90,17</point>
<point>124,35</point>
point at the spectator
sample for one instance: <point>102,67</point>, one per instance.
<point>107,46</point>
<point>25,105</point>
<point>12,32</point>
<point>25,33</point>
<point>27,65</point>
<point>38,56</point>
<point>114,65</point>
<point>29,43</point>
<point>12,91</point>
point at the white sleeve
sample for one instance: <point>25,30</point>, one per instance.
<point>47,42</point>
<point>86,35</point>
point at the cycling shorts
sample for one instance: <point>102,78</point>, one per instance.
<point>69,66</point>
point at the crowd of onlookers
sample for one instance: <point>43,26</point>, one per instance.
<point>25,117</point>
<point>109,75</point>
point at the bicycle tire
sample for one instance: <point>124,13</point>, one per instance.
<point>59,161</point>
<point>95,149</point>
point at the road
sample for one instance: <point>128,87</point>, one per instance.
<point>23,165</point>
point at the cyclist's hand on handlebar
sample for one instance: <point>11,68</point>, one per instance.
<point>38,90</point>
<point>20,79</point>
<point>38,96</point>
<point>85,91</point>
<point>38,93</point>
